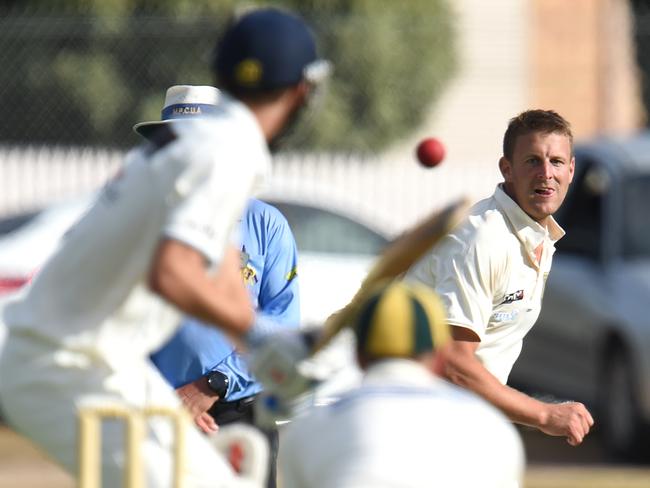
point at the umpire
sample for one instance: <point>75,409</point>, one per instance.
<point>155,243</point>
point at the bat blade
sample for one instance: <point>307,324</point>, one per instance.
<point>396,259</point>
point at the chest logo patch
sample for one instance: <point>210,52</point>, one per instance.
<point>499,317</point>
<point>248,273</point>
<point>513,297</point>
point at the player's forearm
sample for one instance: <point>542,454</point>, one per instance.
<point>568,419</point>
<point>521,408</point>
<point>178,274</point>
<point>230,312</point>
<point>199,298</point>
<point>467,371</point>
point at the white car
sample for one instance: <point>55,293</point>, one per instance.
<point>334,255</point>
<point>27,240</point>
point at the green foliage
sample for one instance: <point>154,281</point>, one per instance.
<point>391,60</point>
<point>84,71</point>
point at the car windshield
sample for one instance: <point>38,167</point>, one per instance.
<point>636,231</point>
<point>581,213</point>
<point>321,231</point>
<point>11,224</point>
<point>316,230</point>
<point>48,223</point>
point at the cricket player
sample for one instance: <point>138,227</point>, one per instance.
<point>404,426</point>
<point>491,270</point>
<point>153,247</point>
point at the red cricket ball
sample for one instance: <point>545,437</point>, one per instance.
<point>430,152</point>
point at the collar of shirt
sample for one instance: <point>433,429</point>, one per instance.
<point>530,233</point>
<point>398,370</point>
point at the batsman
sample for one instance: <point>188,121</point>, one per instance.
<point>155,246</point>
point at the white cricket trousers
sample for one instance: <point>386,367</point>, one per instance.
<point>41,389</point>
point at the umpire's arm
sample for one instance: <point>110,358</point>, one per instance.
<point>570,419</point>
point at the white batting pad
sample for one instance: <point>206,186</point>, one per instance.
<point>246,449</point>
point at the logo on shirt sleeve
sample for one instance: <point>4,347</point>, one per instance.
<point>292,274</point>
<point>505,316</point>
<point>513,297</point>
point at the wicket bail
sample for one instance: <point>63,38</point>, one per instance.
<point>90,442</point>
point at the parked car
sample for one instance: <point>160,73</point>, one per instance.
<point>334,255</point>
<point>592,340</point>
<point>335,251</point>
<point>27,239</point>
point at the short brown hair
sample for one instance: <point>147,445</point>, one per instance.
<point>545,121</point>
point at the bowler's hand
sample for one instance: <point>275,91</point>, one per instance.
<point>569,419</point>
<point>198,398</point>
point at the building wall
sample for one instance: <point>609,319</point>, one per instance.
<point>582,64</point>
<point>492,83</point>
<point>573,56</point>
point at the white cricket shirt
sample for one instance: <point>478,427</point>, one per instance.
<point>486,274</point>
<point>91,296</point>
<point>403,427</point>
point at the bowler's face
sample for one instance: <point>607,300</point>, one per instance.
<point>540,172</point>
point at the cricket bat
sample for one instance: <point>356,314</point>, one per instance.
<point>396,259</point>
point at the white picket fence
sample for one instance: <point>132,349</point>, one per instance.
<point>387,194</point>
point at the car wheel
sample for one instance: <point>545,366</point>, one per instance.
<point>623,430</point>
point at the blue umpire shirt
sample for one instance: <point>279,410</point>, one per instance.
<point>269,259</point>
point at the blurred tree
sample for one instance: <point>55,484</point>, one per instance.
<point>84,71</point>
<point>392,61</point>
